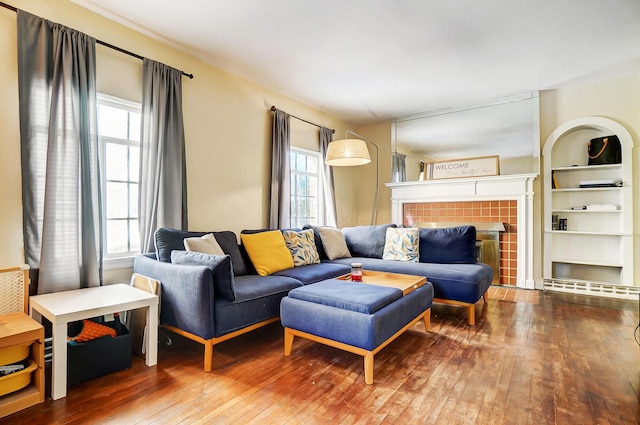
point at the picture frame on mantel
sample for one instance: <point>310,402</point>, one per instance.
<point>464,167</point>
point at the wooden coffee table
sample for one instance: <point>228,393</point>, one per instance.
<point>404,282</point>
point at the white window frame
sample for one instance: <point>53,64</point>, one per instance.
<point>120,260</point>
<point>318,175</point>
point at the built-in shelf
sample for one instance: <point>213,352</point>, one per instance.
<point>592,233</point>
<point>587,263</point>
<point>599,242</point>
<point>587,211</point>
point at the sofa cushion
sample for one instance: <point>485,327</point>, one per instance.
<point>366,241</point>
<point>334,243</point>
<point>206,244</point>
<point>358,297</point>
<point>315,272</point>
<point>220,266</point>
<point>452,245</point>
<point>301,244</point>
<point>267,251</point>
<point>402,244</point>
<point>167,240</point>
<point>257,299</point>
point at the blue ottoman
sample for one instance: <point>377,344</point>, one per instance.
<point>354,317</point>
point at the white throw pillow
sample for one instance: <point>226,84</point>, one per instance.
<point>402,244</point>
<point>334,243</point>
<point>206,244</point>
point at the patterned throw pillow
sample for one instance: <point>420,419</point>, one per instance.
<point>302,246</point>
<point>402,244</point>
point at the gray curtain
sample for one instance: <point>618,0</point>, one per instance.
<point>280,211</point>
<point>59,150</point>
<point>326,135</point>
<point>163,171</point>
<point>398,167</point>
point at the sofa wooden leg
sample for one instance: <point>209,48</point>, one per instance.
<point>208,356</point>
<point>288,342</point>
<point>427,320</point>
<point>471,312</point>
<point>485,298</point>
<point>368,368</point>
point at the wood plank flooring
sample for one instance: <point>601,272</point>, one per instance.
<point>533,358</point>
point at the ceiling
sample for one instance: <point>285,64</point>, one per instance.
<point>365,61</point>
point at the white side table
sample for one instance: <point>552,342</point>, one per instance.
<point>60,308</point>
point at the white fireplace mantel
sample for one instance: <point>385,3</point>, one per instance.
<point>518,187</point>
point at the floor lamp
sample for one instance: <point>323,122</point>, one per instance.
<point>351,152</point>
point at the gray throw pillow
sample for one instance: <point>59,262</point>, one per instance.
<point>366,241</point>
<point>220,266</point>
<point>333,242</point>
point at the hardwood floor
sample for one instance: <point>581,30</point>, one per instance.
<point>532,358</point>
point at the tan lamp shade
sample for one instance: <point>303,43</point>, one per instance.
<point>347,152</point>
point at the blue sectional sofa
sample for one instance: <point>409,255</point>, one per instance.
<point>213,303</point>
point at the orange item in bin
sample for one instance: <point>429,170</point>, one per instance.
<point>92,330</point>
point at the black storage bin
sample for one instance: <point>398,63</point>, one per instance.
<point>98,357</point>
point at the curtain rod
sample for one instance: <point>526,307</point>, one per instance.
<point>273,109</point>
<point>103,43</point>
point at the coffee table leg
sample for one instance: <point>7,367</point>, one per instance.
<point>59,361</point>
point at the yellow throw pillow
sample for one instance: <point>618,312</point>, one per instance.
<point>267,251</point>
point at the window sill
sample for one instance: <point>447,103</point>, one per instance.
<point>115,263</point>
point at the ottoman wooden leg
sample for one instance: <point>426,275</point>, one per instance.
<point>427,320</point>
<point>368,368</point>
<point>472,314</point>
<point>288,342</point>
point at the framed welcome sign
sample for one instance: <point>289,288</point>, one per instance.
<point>465,167</point>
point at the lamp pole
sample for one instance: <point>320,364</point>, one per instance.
<point>375,196</point>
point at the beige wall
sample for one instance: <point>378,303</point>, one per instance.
<point>227,128</point>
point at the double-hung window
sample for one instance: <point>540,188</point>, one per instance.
<point>306,188</point>
<point>119,137</point>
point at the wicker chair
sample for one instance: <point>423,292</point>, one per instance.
<point>14,290</point>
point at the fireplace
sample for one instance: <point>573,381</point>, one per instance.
<point>506,199</point>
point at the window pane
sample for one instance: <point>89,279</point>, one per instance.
<point>301,163</point>
<point>292,160</point>
<point>117,200</point>
<point>134,163</point>
<point>134,126</point>
<point>117,236</point>
<point>312,190</point>
<point>312,164</point>
<point>112,122</point>
<point>117,161</point>
<point>133,200</point>
<point>134,236</point>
